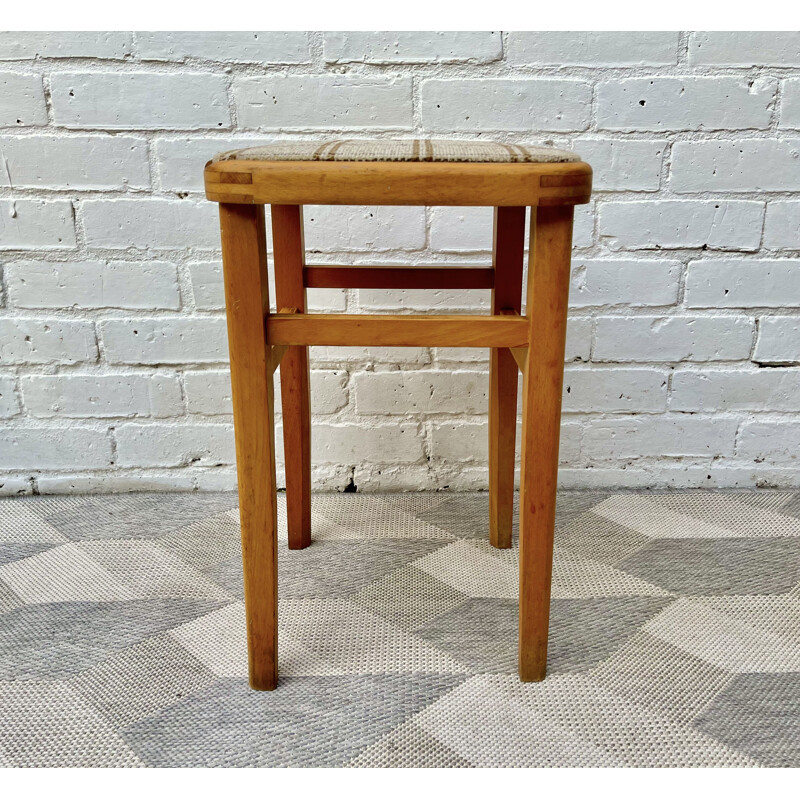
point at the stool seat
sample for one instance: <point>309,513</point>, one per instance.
<point>399,172</point>
<point>453,150</point>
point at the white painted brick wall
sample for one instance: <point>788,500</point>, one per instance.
<point>683,347</point>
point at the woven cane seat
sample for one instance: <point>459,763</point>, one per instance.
<point>452,150</point>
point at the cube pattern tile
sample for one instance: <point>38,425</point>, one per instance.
<point>674,637</point>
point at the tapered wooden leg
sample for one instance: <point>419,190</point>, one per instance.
<point>509,245</point>
<point>244,257</point>
<point>548,289</point>
<point>289,256</point>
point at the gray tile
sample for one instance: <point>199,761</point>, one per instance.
<point>331,568</point>
<point>410,747</point>
<point>481,633</point>
<point>14,551</point>
<point>758,714</point>
<point>465,515</point>
<point>57,640</point>
<point>321,721</point>
<point>718,566</point>
<point>208,541</point>
<point>136,682</point>
<point>47,724</point>
<point>599,539</point>
<point>137,516</point>
<point>660,676</point>
<point>9,600</point>
<point>408,597</point>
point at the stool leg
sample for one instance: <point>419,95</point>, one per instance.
<point>509,246</point>
<point>548,289</point>
<point>244,258</point>
<point>289,256</point>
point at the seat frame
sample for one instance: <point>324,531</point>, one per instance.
<point>259,341</point>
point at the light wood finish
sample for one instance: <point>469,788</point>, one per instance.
<point>244,258</point>
<point>398,183</point>
<point>389,277</point>
<point>548,290</point>
<point>520,355</point>
<point>276,353</point>
<point>508,255</point>
<point>288,251</point>
<point>397,330</point>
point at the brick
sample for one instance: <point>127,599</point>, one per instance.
<point>776,442</point>
<point>27,45</point>
<point>32,224</point>
<point>593,48</point>
<point>621,166</point>
<point>323,102</point>
<point>122,481</point>
<point>9,402</point>
<point>93,284</point>
<point>782,225</point>
<point>411,47</point>
<point>260,47</point>
<point>743,284</point>
<point>642,339</point>
<point>672,436</point>
<point>165,340</point>
<point>163,445</point>
<point>330,229</point>
<point>423,392</point>
<point>469,442</point>
<point>54,448</point>
<point>736,390</point>
<point>49,341</point>
<point>579,339</point>
<point>790,104</point>
<point>150,223</point>
<point>500,104</point>
<point>462,229</point>
<point>583,228</point>
<point>778,340</point>
<point>397,443</point>
<point>614,390</point>
<point>139,100</point>
<point>22,99</point>
<point>76,396</point>
<point>423,299</point>
<point>75,162</point>
<point>181,161</point>
<point>370,356</point>
<point>673,224</point>
<point>208,391</point>
<point>686,103</point>
<point>753,165</point>
<point>610,282</point>
<point>745,48</point>
<point>207,285</point>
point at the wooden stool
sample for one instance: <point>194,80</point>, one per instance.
<point>407,172</point>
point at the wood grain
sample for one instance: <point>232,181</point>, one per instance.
<point>508,256</point>
<point>548,290</point>
<point>397,183</point>
<point>397,330</point>
<point>289,258</point>
<point>244,258</point>
<point>390,277</point>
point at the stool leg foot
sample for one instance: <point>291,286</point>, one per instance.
<point>508,254</point>
<point>289,255</point>
<point>244,257</point>
<point>548,288</point>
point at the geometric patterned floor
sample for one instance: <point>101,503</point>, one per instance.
<point>675,635</point>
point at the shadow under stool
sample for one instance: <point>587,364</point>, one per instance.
<point>287,176</point>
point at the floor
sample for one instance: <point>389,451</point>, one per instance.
<point>675,635</point>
